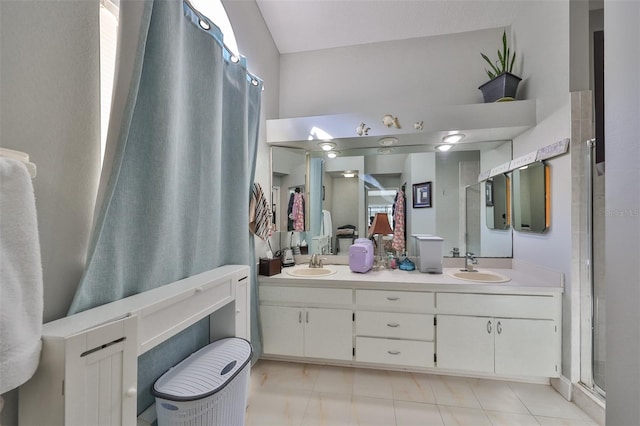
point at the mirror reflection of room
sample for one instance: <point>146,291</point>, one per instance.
<point>530,198</point>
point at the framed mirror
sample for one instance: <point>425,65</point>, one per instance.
<point>497,200</point>
<point>531,198</point>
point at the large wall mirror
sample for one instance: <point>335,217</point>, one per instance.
<point>344,192</point>
<point>531,198</point>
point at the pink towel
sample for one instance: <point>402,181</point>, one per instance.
<point>298,212</point>
<point>398,220</point>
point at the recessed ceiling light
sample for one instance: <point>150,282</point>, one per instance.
<point>349,174</point>
<point>388,141</point>
<point>327,146</point>
<point>453,138</point>
<point>444,147</point>
<point>332,154</point>
<point>385,150</point>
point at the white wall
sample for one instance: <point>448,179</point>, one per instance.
<point>442,70</point>
<point>421,167</point>
<point>553,248</point>
<point>622,100</point>
<point>263,59</point>
<point>49,108</point>
<point>541,36</point>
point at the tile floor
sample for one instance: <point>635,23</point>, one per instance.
<point>283,393</point>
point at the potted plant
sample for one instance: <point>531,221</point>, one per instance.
<point>503,85</point>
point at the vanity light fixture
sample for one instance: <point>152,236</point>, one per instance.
<point>388,141</point>
<point>444,147</point>
<point>332,154</point>
<point>327,146</point>
<point>453,138</point>
<point>349,174</point>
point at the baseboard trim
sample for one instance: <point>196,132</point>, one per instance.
<point>590,403</point>
<point>563,386</point>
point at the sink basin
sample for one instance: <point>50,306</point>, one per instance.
<point>310,272</point>
<point>480,276</point>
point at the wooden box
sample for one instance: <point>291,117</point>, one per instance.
<point>270,267</point>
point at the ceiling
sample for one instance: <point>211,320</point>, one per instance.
<point>304,25</point>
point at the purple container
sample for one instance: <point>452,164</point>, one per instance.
<point>361,255</point>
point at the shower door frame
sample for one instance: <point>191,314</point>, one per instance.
<point>587,302</point>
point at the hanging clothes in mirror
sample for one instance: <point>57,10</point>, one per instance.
<point>399,217</point>
<point>295,211</point>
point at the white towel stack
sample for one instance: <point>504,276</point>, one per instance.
<point>20,277</point>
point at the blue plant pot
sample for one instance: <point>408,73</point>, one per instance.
<point>502,87</point>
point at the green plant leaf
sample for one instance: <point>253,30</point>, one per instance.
<point>486,58</point>
<point>505,62</point>
<point>501,60</point>
<point>504,48</point>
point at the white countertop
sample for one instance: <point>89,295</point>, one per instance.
<point>525,280</point>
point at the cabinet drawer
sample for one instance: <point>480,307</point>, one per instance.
<point>494,305</point>
<point>395,300</point>
<point>394,325</point>
<point>396,352</point>
<point>307,296</point>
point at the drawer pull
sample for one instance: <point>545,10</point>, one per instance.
<point>393,352</point>
<point>393,325</point>
<point>499,328</point>
<point>393,298</point>
<point>489,328</point>
<point>300,317</point>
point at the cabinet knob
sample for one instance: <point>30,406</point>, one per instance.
<point>199,289</point>
<point>131,392</point>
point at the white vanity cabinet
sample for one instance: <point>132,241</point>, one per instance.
<point>511,335</point>
<point>307,322</point>
<point>417,322</point>
<point>394,327</point>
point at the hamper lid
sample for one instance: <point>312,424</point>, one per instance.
<point>205,371</point>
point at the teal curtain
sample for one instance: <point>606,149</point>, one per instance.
<point>177,199</point>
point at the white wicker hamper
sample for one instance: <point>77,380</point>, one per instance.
<point>207,388</point>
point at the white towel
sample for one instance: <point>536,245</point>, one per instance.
<point>20,277</point>
<point>327,225</point>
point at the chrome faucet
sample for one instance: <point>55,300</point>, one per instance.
<point>469,261</point>
<point>315,261</point>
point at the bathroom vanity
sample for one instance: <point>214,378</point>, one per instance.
<point>393,319</point>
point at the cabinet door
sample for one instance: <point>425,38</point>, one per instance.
<point>526,347</point>
<point>328,333</point>
<point>100,375</point>
<point>465,343</point>
<point>282,330</point>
